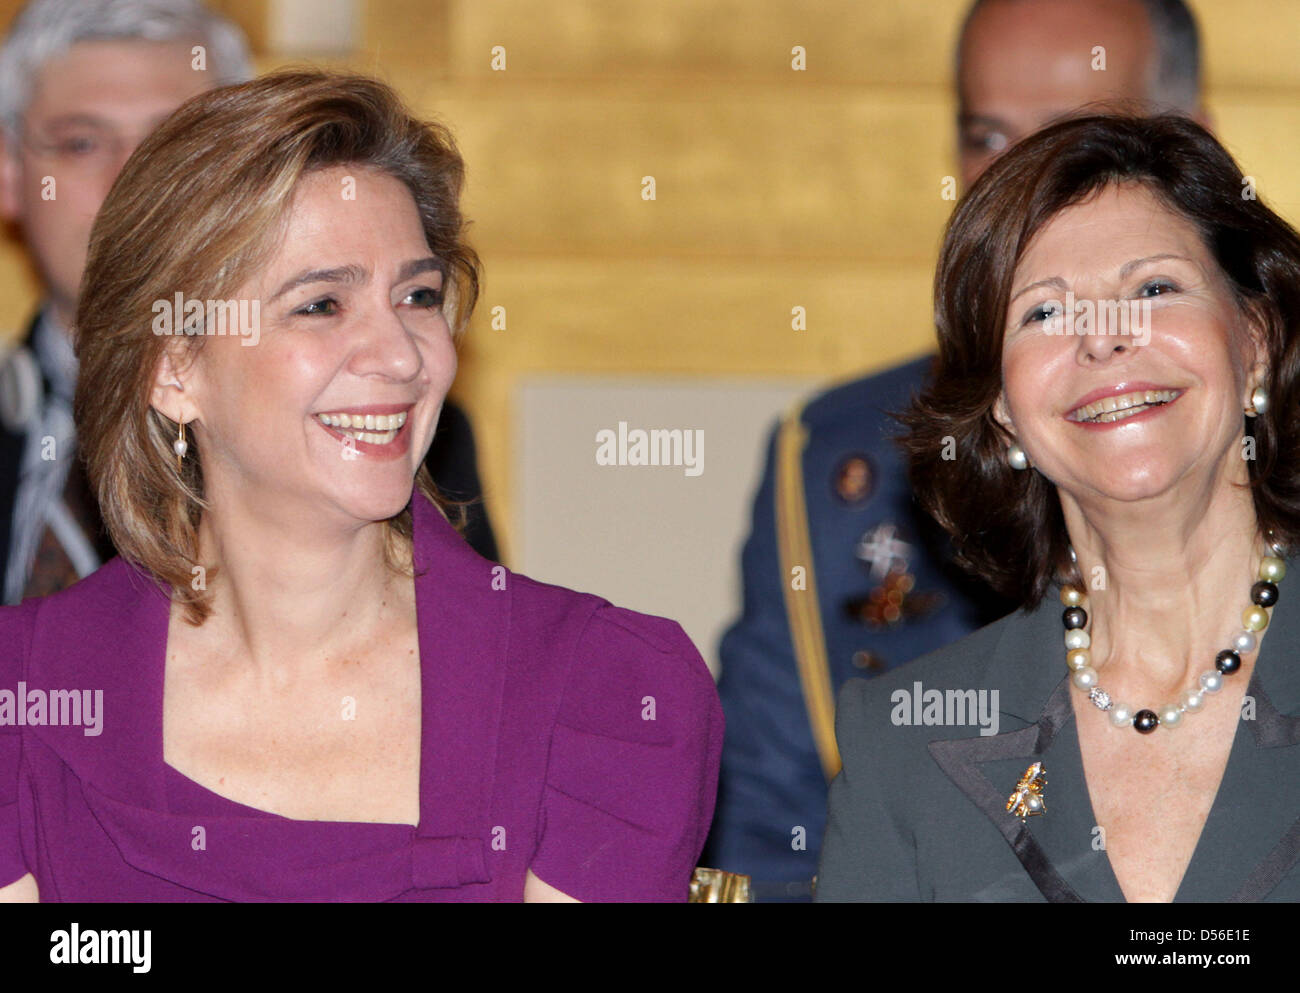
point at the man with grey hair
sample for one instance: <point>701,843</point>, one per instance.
<point>843,575</point>
<point>82,83</point>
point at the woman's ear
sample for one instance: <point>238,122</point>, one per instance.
<point>170,396</point>
<point>1001,414</point>
<point>1257,358</point>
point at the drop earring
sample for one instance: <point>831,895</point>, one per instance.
<point>180,447</point>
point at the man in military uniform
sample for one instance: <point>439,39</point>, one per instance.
<point>843,574</point>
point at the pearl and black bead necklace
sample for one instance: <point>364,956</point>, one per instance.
<point>1169,715</point>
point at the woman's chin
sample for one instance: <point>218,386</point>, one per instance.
<point>1143,485</point>
<point>375,506</point>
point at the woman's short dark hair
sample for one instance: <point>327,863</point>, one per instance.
<point>1007,525</point>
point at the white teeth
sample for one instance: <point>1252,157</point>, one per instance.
<point>371,437</point>
<point>371,429</point>
<point>1117,408</point>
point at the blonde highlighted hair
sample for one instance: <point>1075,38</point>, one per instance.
<point>197,208</point>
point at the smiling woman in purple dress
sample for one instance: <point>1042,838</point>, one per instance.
<point>309,686</point>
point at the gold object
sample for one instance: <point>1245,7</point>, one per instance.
<point>180,446</point>
<point>1027,800</point>
<point>794,548</point>
<point>716,886</point>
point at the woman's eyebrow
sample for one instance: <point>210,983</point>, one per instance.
<point>417,266</point>
<point>1129,267</point>
<point>338,274</point>
<point>1056,282</point>
<point>355,274</point>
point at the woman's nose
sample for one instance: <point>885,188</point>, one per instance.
<point>387,348</point>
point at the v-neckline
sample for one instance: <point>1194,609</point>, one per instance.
<point>1193,860</point>
<point>1236,753</point>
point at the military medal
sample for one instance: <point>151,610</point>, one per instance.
<point>853,480</point>
<point>893,599</point>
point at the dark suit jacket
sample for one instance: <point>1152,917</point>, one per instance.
<point>11,460</point>
<point>919,812</point>
<point>453,463</point>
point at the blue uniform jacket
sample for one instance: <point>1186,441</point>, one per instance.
<point>836,534</point>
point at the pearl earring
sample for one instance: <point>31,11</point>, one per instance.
<point>1258,402</point>
<point>180,447</point>
<point>1017,457</point>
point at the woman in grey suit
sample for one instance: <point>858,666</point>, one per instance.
<point>1112,439</point>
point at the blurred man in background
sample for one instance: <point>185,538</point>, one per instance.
<point>843,575</point>
<point>82,83</point>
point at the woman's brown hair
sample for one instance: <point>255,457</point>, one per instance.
<point>196,209</point>
<point>1007,525</point>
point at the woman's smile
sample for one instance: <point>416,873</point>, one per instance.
<point>377,431</point>
<point>1123,408</point>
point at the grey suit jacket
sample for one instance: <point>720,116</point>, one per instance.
<point>918,812</point>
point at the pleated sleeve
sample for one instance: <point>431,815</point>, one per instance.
<point>633,764</point>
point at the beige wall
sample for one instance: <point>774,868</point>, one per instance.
<point>775,188</point>
<point>660,539</point>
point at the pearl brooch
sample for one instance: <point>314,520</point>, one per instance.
<point>1027,800</point>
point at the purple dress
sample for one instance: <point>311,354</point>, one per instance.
<point>559,733</point>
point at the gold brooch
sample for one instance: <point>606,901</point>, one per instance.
<point>1027,800</point>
